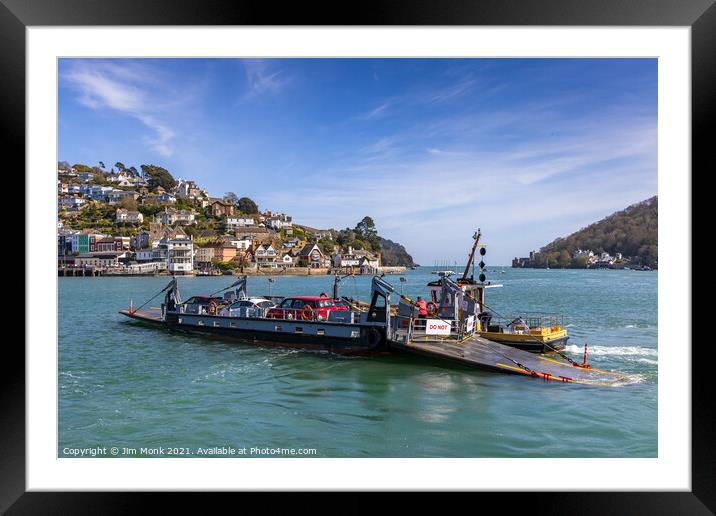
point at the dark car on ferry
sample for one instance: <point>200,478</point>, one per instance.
<point>306,308</point>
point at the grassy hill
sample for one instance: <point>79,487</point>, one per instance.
<point>633,232</point>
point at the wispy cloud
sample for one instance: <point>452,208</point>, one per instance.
<point>263,78</point>
<point>380,111</point>
<point>412,190</point>
<point>126,88</point>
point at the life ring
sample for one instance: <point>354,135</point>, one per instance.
<point>432,309</point>
<point>374,337</point>
<point>307,313</point>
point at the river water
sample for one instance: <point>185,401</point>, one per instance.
<point>122,384</point>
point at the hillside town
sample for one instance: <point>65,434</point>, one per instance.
<point>127,222</point>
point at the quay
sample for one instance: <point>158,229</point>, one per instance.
<point>134,271</point>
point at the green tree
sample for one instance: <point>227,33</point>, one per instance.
<point>128,203</point>
<point>581,262</point>
<point>231,198</point>
<point>564,259</point>
<point>120,166</point>
<point>99,179</point>
<point>365,229</point>
<point>247,205</point>
<point>158,176</point>
<point>81,167</point>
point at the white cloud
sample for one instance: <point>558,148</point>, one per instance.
<point>414,192</point>
<point>263,78</point>
<point>124,87</point>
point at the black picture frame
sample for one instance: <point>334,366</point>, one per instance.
<point>16,15</point>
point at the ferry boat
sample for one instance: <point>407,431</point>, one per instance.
<point>450,332</point>
<point>529,331</point>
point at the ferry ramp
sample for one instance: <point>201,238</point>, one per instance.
<point>484,354</point>
<point>151,314</point>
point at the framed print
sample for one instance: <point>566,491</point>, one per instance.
<point>407,251</point>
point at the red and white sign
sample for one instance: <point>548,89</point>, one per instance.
<point>437,327</point>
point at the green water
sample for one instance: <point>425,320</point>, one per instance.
<point>123,384</point>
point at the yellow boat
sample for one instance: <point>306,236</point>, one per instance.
<point>538,333</point>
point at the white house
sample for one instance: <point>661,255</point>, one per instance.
<point>145,255</point>
<point>178,252</point>
<point>580,253</point>
<point>346,259</point>
<point>166,197</point>
<point>238,242</point>
<point>72,201</point>
<point>232,223</point>
<point>187,189</point>
<point>170,216</point>
<point>265,255</point>
<point>132,217</point>
<point>278,222</point>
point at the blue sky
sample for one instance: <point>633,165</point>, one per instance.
<point>526,149</point>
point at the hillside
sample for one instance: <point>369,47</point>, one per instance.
<point>632,232</point>
<point>394,254</point>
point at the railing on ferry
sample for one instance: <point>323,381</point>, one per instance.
<point>417,329</point>
<point>524,322</point>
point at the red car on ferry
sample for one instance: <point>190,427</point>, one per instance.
<point>305,308</point>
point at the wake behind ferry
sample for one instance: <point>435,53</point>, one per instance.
<point>456,325</point>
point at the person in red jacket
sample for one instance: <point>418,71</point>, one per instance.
<point>422,307</point>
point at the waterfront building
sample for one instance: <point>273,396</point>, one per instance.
<point>145,255</point>
<point>225,253</point>
<point>101,260</point>
<point>579,253</point>
<point>311,256</point>
<point>179,254</point>
<point>85,241</point>
<point>265,255</point>
<point>203,257</point>
<point>348,259</point>
<point>109,243</point>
